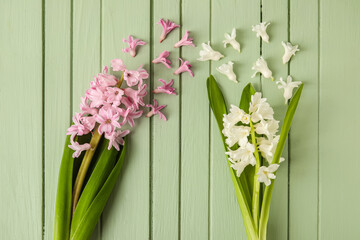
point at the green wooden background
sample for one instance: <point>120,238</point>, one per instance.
<point>175,183</point>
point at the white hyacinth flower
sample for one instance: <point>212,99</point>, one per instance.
<point>236,134</point>
<point>231,40</point>
<point>260,30</point>
<point>236,115</point>
<point>238,166</point>
<point>267,173</point>
<point>290,50</point>
<point>208,53</point>
<point>244,153</point>
<point>268,128</point>
<point>227,69</point>
<point>260,109</point>
<point>288,87</point>
<point>267,147</point>
<point>261,66</point>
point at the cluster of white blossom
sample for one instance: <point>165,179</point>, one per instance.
<point>259,124</point>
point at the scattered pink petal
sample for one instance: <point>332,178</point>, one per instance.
<point>108,120</point>
<point>155,109</point>
<point>116,138</point>
<point>129,115</point>
<point>167,26</point>
<point>163,59</point>
<point>165,88</point>
<point>118,65</point>
<point>185,41</point>
<point>184,67</point>
<point>78,148</point>
<point>132,45</point>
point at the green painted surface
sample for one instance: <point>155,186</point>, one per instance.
<point>175,183</point>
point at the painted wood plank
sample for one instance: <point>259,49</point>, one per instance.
<point>57,99</point>
<point>304,148</point>
<point>85,53</point>
<point>339,120</point>
<point>276,12</point>
<point>126,215</point>
<point>195,126</point>
<point>165,137</point>
<point>21,122</point>
<point>225,214</point>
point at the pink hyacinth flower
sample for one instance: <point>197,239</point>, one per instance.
<point>105,79</point>
<point>184,67</point>
<point>118,65</point>
<point>155,109</point>
<point>96,96</point>
<point>113,95</point>
<point>132,45</point>
<point>77,128</point>
<point>165,88</point>
<point>167,26</point>
<point>108,120</point>
<point>133,77</point>
<point>136,96</point>
<point>78,148</point>
<point>85,107</point>
<point>88,122</point>
<point>116,138</point>
<point>129,115</point>
<point>163,59</point>
<point>185,41</point>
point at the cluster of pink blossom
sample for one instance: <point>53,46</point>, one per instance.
<point>106,107</point>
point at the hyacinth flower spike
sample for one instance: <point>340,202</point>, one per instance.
<point>185,41</point>
<point>184,67</point>
<point>167,26</point>
<point>155,109</point>
<point>163,59</point>
<point>132,45</point>
<point>165,88</point>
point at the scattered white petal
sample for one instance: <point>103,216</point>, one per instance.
<point>290,50</point>
<point>261,66</point>
<point>260,30</point>
<point>267,173</point>
<point>288,87</point>
<point>227,69</point>
<point>230,39</point>
<point>208,53</point>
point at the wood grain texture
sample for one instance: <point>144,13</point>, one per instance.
<point>165,137</point>
<point>21,119</point>
<point>339,120</point>
<point>194,224</point>
<point>57,99</point>
<point>303,182</point>
<point>225,215</point>
<point>276,12</point>
<point>86,50</point>
<point>126,215</point>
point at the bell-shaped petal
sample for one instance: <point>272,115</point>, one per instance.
<point>288,87</point>
<point>185,41</point>
<point>260,30</point>
<point>208,53</point>
<point>227,69</point>
<point>230,39</point>
<point>163,59</point>
<point>167,26</point>
<point>261,66</point>
<point>184,67</point>
<point>290,50</point>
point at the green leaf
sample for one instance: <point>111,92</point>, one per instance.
<point>89,218</point>
<point>265,209</point>
<point>64,195</point>
<point>248,91</point>
<point>218,106</point>
<point>103,167</point>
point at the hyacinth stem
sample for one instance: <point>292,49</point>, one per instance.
<point>256,192</point>
<point>94,142</point>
